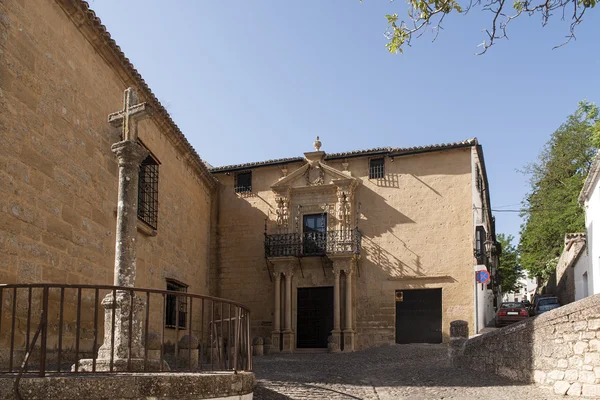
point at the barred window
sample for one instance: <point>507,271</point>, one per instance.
<point>176,306</point>
<point>376,168</point>
<point>148,192</point>
<point>480,237</point>
<point>243,182</point>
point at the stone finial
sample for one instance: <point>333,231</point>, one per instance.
<point>188,342</point>
<point>317,144</point>
<point>154,341</point>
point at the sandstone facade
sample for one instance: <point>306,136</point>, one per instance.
<point>417,224</point>
<point>60,77</point>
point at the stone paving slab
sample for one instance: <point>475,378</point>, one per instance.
<point>416,371</point>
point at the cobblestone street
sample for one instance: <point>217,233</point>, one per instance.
<point>394,372</point>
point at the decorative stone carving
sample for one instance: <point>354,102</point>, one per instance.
<point>282,212</point>
<point>315,175</point>
<point>317,144</point>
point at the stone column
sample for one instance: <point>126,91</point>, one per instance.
<point>348,331</point>
<point>288,333</point>
<point>334,343</point>
<point>275,334</point>
<point>128,307</point>
<point>130,155</point>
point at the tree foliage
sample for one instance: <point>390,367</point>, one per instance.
<point>551,208</point>
<point>424,14</point>
<point>510,266</point>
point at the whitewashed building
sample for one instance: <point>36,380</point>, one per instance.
<point>587,275</point>
<point>526,290</point>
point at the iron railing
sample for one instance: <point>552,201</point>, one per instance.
<point>54,328</point>
<point>313,243</point>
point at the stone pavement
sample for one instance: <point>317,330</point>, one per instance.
<point>417,371</point>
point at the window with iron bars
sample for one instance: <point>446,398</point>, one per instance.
<point>176,306</point>
<point>376,168</point>
<point>243,182</point>
<point>148,192</point>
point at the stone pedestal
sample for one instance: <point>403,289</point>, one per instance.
<point>188,352</point>
<point>275,344</point>
<point>289,342</point>
<point>258,347</point>
<point>459,333</point>
<point>128,313</point>
<point>333,342</point>
<point>348,340</point>
<point>188,359</point>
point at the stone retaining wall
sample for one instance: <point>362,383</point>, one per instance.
<point>164,386</point>
<point>558,349</point>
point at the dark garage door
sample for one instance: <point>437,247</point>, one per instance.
<point>419,316</point>
<point>315,316</point>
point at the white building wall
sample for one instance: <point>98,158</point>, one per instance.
<point>592,219</point>
<point>526,291</point>
<point>484,298</point>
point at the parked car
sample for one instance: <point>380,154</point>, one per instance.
<point>511,312</point>
<point>534,304</point>
<point>546,304</point>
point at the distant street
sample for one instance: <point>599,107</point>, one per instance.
<point>393,372</point>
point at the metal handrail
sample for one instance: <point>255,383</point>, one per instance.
<point>220,324</point>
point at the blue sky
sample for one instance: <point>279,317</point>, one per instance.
<point>255,80</point>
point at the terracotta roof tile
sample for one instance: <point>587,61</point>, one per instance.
<point>354,153</point>
<point>149,96</point>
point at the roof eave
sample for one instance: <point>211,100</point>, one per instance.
<point>97,35</point>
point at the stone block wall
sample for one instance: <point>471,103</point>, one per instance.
<point>59,80</point>
<point>417,231</point>
<point>559,349</point>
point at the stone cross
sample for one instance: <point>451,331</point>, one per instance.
<point>130,154</point>
<point>126,350</point>
<point>125,117</point>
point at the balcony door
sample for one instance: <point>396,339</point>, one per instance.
<point>315,234</point>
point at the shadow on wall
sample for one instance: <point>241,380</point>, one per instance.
<point>391,265</point>
<point>392,180</point>
<point>377,216</point>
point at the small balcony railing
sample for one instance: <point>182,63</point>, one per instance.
<point>313,243</point>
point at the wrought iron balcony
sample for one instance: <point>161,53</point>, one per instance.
<point>313,243</point>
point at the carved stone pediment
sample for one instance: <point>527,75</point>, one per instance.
<point>314,174</point>
<point>315,187</point>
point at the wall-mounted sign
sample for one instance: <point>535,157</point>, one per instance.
<point>482,276</point>
<point>399,296</point>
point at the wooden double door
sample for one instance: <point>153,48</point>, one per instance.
<point>315,317</point>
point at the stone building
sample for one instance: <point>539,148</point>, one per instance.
<point>61,75</point>
<point>369,247</point>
